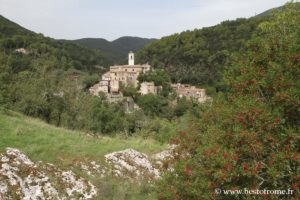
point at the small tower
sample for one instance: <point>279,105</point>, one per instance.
<point>131,58</point>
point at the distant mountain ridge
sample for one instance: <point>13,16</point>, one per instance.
<point>115,50</point>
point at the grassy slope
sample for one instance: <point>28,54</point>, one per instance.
<point>62,147</point>
<point>51,144</point>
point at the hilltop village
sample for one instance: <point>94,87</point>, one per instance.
<point>127,75</point>
<point>139,132</point>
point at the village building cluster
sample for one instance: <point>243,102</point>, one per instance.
<point>190,92</point>
<point>127,75</point>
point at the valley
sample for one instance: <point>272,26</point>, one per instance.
<point>137,118</point>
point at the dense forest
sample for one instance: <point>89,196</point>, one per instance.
<point>200,56</point>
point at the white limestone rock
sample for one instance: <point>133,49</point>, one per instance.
<point>19,157</point>
<point>23,179</point>
<point>132,164</point>
<point>19,171</point>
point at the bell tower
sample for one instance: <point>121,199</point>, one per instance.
<point>131,58</point>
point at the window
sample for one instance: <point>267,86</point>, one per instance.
<point>133,70</point>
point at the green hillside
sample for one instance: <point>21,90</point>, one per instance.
<point>8,27</point>
<point>65,148</point>
<point>42,141</point>
<point>116,50</point>
<point>199,57</point>
<point>269,12</point>
<point>66,55</point>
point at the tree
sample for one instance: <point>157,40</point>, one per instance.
<point>153,105</point>
<point>4,84</point>
<point>129,91</point>
<point>248,138</point>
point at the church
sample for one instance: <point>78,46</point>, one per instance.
<point>127,74</point>
<point>122,74</point>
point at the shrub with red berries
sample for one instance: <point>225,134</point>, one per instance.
<point>249,137</point>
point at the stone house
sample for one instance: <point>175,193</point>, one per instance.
<point>148,88</point>
<point>102,86</point>
<point>190,92</point>
<point>114,86</point>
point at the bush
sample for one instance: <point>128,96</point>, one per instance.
<point>248,138</point>
<point>153,105</point>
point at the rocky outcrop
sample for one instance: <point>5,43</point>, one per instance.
<point>20,178</point>
<point>132,164</point>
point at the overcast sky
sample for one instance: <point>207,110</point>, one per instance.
<point>111,19</point>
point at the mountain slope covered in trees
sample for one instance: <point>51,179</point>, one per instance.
<point>280,8</point>
<point>10,28</point>
<point>116,50</point>
<point>200,56</point>
<point>13,36</point>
